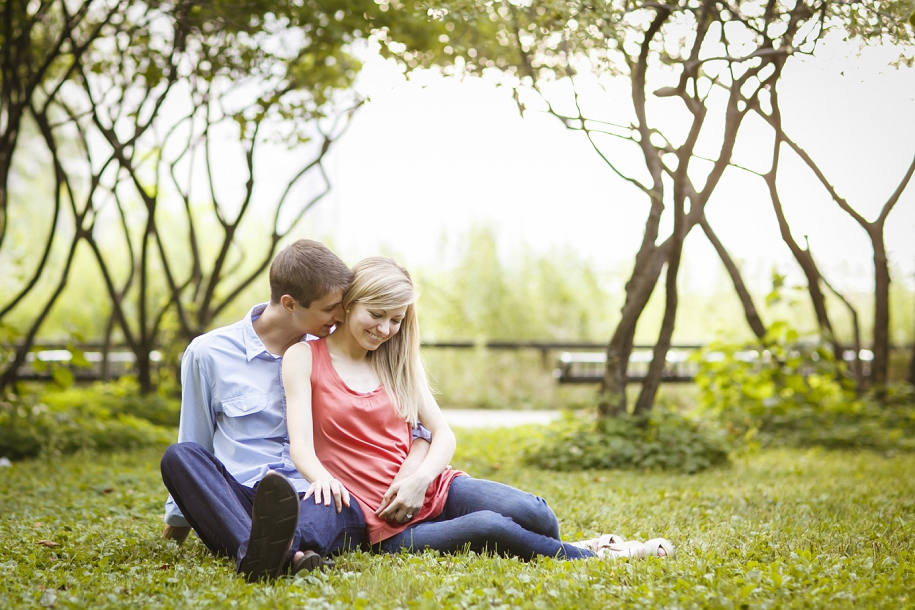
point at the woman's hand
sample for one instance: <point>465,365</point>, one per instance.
<point>327,488</point>
<point>403,500</point>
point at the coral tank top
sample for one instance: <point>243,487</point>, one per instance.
<point>362,442</point>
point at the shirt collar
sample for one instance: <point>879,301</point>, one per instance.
<point>254,347</point>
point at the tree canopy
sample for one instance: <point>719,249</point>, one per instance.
<point>126,97</point>
<point>697,71</point>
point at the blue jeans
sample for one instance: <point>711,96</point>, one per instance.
<point>219,508</point>
<point>484,516</point>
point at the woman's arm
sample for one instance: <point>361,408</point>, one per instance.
<point>406,494</point>
<point>297,385</point>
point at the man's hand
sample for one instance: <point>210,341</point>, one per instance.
<point>178,534</point>
<point>402,501</point>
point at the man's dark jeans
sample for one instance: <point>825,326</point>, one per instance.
<point>219,508</point>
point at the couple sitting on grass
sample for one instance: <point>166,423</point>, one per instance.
<point>291,451</point>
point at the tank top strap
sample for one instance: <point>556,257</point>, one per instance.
<point>320,358</point>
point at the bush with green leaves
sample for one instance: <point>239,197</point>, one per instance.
<point>104,417</point>
<point>661,440</point>
<point>121,397</point>
<point>790,390</point>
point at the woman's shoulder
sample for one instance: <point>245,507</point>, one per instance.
<point>300,353</point>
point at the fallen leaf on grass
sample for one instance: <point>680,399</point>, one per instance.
<point>48,543</point>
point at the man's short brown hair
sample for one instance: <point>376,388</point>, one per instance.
<point>307,270</point>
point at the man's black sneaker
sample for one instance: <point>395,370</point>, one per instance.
<point>274,518</point>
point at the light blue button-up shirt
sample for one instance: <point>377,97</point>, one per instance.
<point>233,405</point>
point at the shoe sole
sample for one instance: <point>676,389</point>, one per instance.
<point>274,518</point>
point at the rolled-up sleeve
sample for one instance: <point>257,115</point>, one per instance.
<point>198,421</point>
<point>419,431</point>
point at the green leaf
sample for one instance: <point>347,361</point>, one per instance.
<point>62,376</point>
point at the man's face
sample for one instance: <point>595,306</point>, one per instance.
<point>320,317</point>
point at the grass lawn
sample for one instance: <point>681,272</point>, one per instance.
<point>781,529</point>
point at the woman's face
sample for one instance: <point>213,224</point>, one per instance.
<point>372,326</point>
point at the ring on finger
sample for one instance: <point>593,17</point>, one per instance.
<point>408,517</point>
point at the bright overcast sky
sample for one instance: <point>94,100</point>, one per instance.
<point>425,160</point>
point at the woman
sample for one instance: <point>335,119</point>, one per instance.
<point>351,400</point>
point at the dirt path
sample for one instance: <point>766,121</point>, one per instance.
<point>488,418</point>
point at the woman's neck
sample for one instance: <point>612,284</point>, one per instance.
<point>342,343</point>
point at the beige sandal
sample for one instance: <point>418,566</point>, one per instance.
<point>656,547</point>
<point>602,542</point>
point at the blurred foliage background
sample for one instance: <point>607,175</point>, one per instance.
<point>120,229</point>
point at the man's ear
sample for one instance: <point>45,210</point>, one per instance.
<point>287,302</point>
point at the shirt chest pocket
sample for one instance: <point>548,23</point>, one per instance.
<point>246,404</point>
<point>248,416</point>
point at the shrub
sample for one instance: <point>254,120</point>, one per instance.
<point>791,391</point>
<point>662,440</point>
<point>121,397</point>
<point>865,423</point>
<point>29,427</point>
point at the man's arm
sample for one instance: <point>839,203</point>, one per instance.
<point>196,425</point>
<point>419,449</point>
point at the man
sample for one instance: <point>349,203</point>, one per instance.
<point>230,477</point>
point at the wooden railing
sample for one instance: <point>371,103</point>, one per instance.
<point>570,361</point>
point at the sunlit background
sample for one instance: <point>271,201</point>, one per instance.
<point>426,159</point>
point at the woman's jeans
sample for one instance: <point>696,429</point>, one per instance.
<point>485,516</point>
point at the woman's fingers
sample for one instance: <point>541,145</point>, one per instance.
<point>326,487</point>
<point>327,490</point>
<point>397,512</point>
<point>386,500</point>
<point>337,490</point>
<point>391,511</point>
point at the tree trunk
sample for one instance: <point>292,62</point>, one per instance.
<point>142,352</point>
<point>638,290</point>
<point>648,260</point>
<point>105,366</point>
<point>881,347</point>
<point>5,159</point>
<point>659,353</point>
<point>803,257</point>
<point>144,367</point>
<point>749,309</point>
<point>855,366</point>
<point>805,260</point>
<point>911,376</point>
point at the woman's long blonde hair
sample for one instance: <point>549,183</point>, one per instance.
<point>379,282</point>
